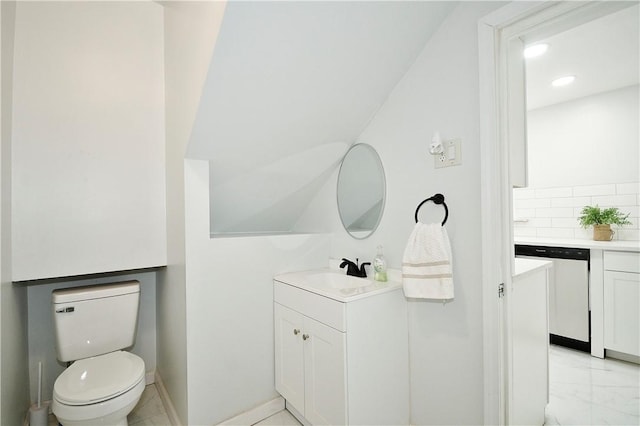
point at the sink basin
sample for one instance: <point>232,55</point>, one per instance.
<point>335,280</point>
<point>335,284</point>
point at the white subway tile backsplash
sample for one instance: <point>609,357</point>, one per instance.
<point>602,200</point>
<point>571,202</point>
<point>627,234</point>
<point>564,222</point>
<point>628,188</point>
<point>541,222</point>
<point>523,193</point>
<point>554,212</point>
<point>614,200</point>
<point>555,233</point>
<point>519,213</point>
<point>583,234</point>
<point>580,191</point>
<point>554,192</point>
<point>562,202</point>
<point>635,223</point>
<point>524,232</point>
<point>534,203</point>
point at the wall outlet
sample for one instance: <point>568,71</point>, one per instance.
<point>452,154</point>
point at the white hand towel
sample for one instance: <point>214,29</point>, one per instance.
<point>426,264</point>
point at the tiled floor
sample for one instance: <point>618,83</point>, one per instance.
<point>585,390</point>
<point>283,418</point>
<point>151,412</point>
<point>148,412</point>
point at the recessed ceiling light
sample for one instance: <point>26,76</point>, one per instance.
<point>563,81</point>
<point>535,50</point>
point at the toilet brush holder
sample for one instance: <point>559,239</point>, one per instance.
<point>39,416</point>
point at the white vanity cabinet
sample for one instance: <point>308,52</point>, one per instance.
<point>622,302</point>
<point>342,362</point>
<point>310,366</point>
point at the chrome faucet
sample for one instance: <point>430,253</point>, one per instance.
<point>353,269</point>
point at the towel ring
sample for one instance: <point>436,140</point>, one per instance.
<point>437,199</point>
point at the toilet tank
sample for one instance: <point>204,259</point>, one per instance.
<point>95,320</point>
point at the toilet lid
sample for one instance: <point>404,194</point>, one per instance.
<point>92,380</point>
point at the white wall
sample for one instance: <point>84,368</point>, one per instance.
<point>88,138</point>
<point>14,389</point>
<point>194,25</point>
<point>588,141</point>
<point>230,306</point>
<point>440,92</point>
<point>41,333</point>
<point>290,87</point>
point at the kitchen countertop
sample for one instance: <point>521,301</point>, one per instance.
<point>580,243</point>
<point>527,266</point>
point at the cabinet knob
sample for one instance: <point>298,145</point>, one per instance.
<point>296,331</point>
<point>305,336</point>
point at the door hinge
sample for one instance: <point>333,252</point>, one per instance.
<point>501,290</point>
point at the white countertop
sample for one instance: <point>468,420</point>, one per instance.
<point>580,243</point>
<point>318,281</point>
<point>527,266</point>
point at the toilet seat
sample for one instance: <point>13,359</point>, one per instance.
<point>96,379</point>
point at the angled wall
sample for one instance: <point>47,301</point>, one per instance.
<point>290,87</point>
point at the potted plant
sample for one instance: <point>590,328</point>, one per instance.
<point>601,220</point>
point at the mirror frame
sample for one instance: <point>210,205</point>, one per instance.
<point>378,160</point>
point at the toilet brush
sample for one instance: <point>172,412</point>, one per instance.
<point>38,413</point>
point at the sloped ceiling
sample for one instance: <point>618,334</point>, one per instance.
<point>292,78</point>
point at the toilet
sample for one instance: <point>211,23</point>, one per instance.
<point>93,325</point>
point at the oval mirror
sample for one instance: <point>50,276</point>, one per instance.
<point>361,191</point>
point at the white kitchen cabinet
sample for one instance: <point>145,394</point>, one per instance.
<point>622,302</point>
<point>529,387</point>
<point>342,363</point>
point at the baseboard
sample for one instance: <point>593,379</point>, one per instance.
<point>257,414</point>
<point>172,414</point>
<point>622,356</point>
<point>298,415</point>
<point>150,377</point>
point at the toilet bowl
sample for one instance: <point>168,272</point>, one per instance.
<point>101,390</point>
<point>93,327</point>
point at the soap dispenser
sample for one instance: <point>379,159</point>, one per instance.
<point>380,266</point>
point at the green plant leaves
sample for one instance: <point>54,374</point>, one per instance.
<point>596,216</point>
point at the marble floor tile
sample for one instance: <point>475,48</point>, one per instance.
<point>150,410</point>
<point>584,390</point>
<point>282,418</point>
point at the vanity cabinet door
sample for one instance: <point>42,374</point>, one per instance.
<point>622,312</point>
<point>289,355</point>
<point>325,374</point>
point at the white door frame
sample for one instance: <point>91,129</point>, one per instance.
<point>497,32</point>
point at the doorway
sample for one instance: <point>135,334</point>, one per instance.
<point>502,36</point>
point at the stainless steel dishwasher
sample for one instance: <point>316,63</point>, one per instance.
<point>569,309</point>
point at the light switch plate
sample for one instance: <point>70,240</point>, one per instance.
<point>451,155</point>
